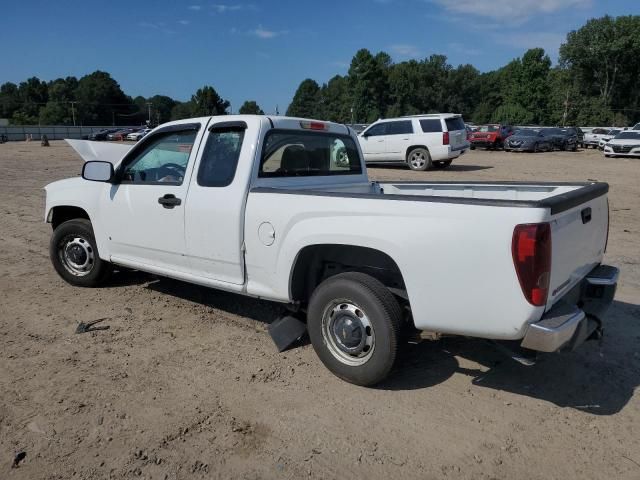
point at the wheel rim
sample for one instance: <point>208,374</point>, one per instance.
<point>418,159</point>
<point>347,331</point>
<point>76,255</point>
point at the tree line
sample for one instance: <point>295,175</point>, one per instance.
<point>594,83</point>
<point>97,99</point>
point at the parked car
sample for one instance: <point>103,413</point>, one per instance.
<point>605,138</point>
<point>300,229</point>
<point>625,144</point>
<point>562,138</point>
<point>529,140</point>
<point>490,136</point>
<point>101,134</point>
<point>577,131</point>
<point>119,134</point>
<point>592,139</point>
<point>420,141</point>
<point>138,134</point>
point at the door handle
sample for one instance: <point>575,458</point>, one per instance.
<point>169,201</point>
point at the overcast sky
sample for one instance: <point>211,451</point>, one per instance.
<point>263,50</point>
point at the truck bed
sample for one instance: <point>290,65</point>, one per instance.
<point>556,196</point>
<point>455,237</point>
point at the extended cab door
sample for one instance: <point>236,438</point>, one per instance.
<point>373,142</point>
<point>216,203</point>
<point>143,212</point>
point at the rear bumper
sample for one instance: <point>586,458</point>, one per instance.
<point>578,316</point>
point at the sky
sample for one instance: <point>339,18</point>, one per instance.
<point>262,50</point>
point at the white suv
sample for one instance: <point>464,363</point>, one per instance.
<point>421,141</point>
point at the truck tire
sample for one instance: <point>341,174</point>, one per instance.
<point>419,159</point>
<point>354,325</point>
<point>74,254</point>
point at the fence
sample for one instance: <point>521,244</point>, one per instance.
<point>53,132</point>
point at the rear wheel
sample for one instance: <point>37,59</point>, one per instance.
<point>74,254</point>
<point>419,159</point>
<point>354,325</point>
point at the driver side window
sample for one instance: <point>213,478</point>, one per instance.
<point>163,161</point>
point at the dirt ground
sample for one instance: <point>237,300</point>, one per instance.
<point>186,382</point>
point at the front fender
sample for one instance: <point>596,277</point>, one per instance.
<point>83,194</point>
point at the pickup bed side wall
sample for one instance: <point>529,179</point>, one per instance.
<point>451,286</point>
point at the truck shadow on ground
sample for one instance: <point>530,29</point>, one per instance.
<point>596,379</point>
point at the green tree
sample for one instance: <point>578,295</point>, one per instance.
<point>9,99</point>
<point>335,101</point>
<point>101,101</point>
<point>32,95</point>
<point>250,107</point>
<point>604,57</point>
<point>161,106</point>
<point>182,110</point>
<point>369,85</point>
<point>306,101</point>
<point>206,101</point>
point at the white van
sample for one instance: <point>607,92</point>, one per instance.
<point>420,141</point>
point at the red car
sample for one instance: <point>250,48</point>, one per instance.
<point>490,136</point>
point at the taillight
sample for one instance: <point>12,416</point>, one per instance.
<point>445,138</point>
<point>531,250</point>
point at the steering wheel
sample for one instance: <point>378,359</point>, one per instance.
<point>170,170</point>
<point>173,166</point>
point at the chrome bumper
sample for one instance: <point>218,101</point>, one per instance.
<point>566,326</point>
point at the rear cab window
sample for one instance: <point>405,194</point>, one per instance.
<point>293,153</point>
<point>454,123</point>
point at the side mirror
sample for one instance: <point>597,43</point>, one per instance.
<point>364,134</point>
<point>97,171</point>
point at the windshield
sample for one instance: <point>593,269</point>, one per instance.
<point>488,128</point>
<point>293,153</point>
<point>526,133</point>
<point>628,135</point>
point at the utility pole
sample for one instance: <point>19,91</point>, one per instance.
<point>73,112</point>
<point>149,108</point>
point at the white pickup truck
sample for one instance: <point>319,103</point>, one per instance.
<point>282,209</point>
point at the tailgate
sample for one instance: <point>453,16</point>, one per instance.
<point>578,239</point>
<point>457,132</point>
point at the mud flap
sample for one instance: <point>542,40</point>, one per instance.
<point>286,331</point>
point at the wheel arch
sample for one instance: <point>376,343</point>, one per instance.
<point>413,147</point>
<point>315,263</point>
<point>62,213</point>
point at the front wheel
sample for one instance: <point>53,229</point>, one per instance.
<point>74,254</point>
<point>419,159</point>
<point>354,325</point>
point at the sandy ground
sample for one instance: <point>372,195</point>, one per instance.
<point>186,383</point>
